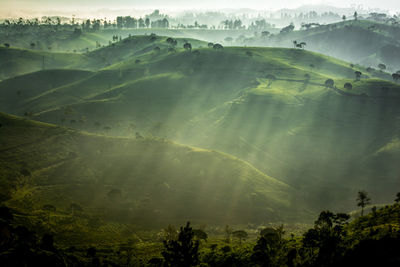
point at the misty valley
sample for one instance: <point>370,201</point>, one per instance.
<point>200,138</point>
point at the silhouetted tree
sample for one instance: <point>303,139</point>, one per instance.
<point>397,200</point>
<point>217,46</point>
<point>187,46</point>
<point>396,76</point>
<point>329,83</point>
<point>358,75</point>
<point>210,45</point>
<point>269,249</point>
<point>382,67</point>
<point>182,252</point>
<point>362,200</point>
<point>348,86</point>
<point>7,45</point>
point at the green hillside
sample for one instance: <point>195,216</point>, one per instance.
<point>147,182</point>
<point>268,106</point>
<point>365,42</point>
<point>16,61</point>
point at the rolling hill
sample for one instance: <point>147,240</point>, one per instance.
<point>364,42</point>
<point>17,61</point>
<point>268,106</point>
<point>147,182</point>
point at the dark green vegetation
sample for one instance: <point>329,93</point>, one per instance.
<point>272,107</point>
<point>365,42</point>
<point>371,240</point>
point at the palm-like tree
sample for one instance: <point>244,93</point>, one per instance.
<point>363,200</point>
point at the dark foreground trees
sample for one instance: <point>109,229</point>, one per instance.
<point>184,251</point>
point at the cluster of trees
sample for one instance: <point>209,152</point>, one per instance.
<point>232,24</point>
<point>287,29</point>
<point>133,23</point>
<point>371,240</point>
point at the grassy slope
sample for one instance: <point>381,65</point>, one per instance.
<point>225,100</point>
<point>365,42</point>
<point>15,61</point>
<point>160,182</point>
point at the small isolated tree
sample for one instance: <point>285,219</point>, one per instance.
<point>7,45</point>
<point>32,45</point>
<point>358,75</point>
<point>355,15</point>
<point>329,83</point>
<point>344,17</point>
<point>210,45</point>
<point>170,40</point>
<point>363,200</point>
<point>396,77</point>
<point>217,46</point>
<point>348,86</point>
<point>183,252</point>
<point>369,69</point>
<point>240,234</point>
<point>187,46</point>
<point>382,67</point>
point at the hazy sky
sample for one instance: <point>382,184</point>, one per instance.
<point>83,6</point>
